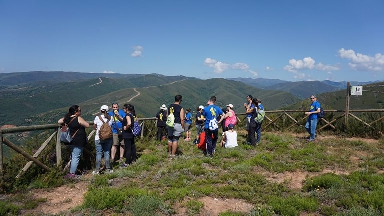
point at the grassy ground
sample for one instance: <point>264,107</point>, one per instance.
<point>283,175</point>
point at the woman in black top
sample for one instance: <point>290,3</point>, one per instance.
<point>129,138</point>
<point>76,125</point>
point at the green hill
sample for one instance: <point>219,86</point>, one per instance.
<point>45,104</point>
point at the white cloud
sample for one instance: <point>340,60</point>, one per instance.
<point>220,67</point>
<point>308,63</point>
<point>268,68</point>
<point>240,66</point>
<point>137,52</point>
<point>108,72</point>
<point>361,62</point>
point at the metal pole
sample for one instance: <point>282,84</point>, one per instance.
<point>347,104</point>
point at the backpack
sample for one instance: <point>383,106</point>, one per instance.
<point>105,131</point>
<point>321,114</point>
<point>65,135</point>
<point>201,142</point>
<point>171,118</point>
<point>260,114</point>
<point>136,129</point>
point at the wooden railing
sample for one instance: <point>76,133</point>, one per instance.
<point>271,120</point>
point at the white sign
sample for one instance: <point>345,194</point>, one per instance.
<point>356,90</point>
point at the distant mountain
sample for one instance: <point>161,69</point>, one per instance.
<point>304,89</point>
<point>258,82</point>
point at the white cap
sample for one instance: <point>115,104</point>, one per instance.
<point>104,108</point>
<point>201,107</point>
<point>230,105</point>
<point>163,107</point>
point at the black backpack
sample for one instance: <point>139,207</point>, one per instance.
<point>321,114</point>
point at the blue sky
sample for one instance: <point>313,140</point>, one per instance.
<point>339,40</point>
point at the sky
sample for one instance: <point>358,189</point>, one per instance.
<point>337,40</point>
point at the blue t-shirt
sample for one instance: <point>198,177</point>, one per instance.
<point>250,114</point>
<point>116,123</point>
<point>210,112</point>
<point>314,106</point>
<point>188,118</point>
<point>261,107</point>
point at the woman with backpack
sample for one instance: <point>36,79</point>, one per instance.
<point>128,136</point>
<point>76,125</point>
<point>103,139</point>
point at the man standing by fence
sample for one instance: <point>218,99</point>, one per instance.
<point>311,124</point>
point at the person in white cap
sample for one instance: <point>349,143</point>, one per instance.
<point>230,117</point>
<point>102,145</point>
<point>161,118</point>
<point>200,123</point>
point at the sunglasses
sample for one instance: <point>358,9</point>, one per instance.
<point>312,98</point>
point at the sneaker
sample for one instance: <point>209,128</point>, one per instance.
<point>124,165</point>
<point>108,171</point>
<point>195,141</point>
<point>70,176</point>
<point>95,173</point>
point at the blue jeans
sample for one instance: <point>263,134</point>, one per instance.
<point>75,158</point>
<point>258,132</point>
<point>211,142</point>
<point>103,146</point>
<point>310,126</point>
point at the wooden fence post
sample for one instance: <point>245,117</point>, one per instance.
<point>1,154</point>
<point>58,148</point>
<point>347,104</point>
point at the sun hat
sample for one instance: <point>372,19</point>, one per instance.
<point>163,107</point>
<point>104,108</point>
<point>230,105</point>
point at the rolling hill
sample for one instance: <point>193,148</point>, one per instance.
<point>39,104</point>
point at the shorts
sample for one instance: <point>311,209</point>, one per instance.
<point>187,127</point>
<point>174,132</point>
<point>117,140</point>
<point>199,129</point>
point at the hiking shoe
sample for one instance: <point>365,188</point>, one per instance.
<point>70,176</point>
<point>124,165</point>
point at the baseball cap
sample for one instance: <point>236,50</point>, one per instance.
<point>231,126</point>
<point>163,107</point>
<point>104,108</point>
<point>201,107</point>
<point>230,105</point>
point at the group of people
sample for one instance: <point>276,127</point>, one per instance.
<point>208,119</point>
<point>122,139</point>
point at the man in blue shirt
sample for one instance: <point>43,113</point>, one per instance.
<point>117,118</point>
<point>211,113</point>
<point>311,124</point>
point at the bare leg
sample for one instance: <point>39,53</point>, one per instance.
<point>121,152</point>
<point>169,147</point>
<point>113,153</point>
<point>174,147</point>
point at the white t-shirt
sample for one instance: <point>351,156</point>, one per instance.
<point>231,139</point>
<point>98,124</point>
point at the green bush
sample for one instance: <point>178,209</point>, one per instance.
<point>325,181</point>
<point>7,208</point>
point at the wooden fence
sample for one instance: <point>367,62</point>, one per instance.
<point>272,119</point>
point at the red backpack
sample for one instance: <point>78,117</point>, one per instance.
<point>202,144</point>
